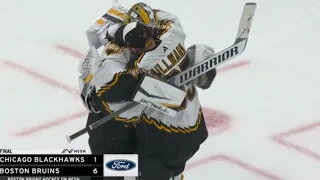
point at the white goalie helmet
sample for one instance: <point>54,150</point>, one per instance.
<point>142,12</point>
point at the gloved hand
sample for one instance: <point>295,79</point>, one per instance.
<point>196,54</point>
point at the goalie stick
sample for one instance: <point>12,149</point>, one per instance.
<point>197,70</point>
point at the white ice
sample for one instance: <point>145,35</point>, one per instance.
<point>277,92</point>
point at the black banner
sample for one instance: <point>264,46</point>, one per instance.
<point>51,159</point>
<point>52,171</point>
<point>45,178</point>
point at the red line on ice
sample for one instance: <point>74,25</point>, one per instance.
<point>300,129</point>
<point>281,139</point>
<point>53,83</point>
<point>234,65</point>
<point>41,77</point>
<point>51,124</point>
<point>70,51</point>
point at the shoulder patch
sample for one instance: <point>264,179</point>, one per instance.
<point>165,26</point>
<point>113,48</point>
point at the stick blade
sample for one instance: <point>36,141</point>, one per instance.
<point>246,20</point>
<point>68,139</point>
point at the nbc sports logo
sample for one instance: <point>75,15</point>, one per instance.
<point>120,165</point>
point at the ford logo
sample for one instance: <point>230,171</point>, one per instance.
<point>120,165</point>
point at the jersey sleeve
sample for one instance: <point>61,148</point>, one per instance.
<point>166,16</point>
<point>116,87</point>
<point>171,32</point>
<point>113,81</point>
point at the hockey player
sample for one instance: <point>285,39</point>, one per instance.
<point>103,139</point>
<point>112,137</point>
<point>160,51</point>
<point>165,143</point>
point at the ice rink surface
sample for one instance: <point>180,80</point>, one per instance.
<point>262,109</point>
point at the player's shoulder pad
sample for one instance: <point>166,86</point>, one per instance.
<point>170,30</point>
<point>113,48</point>
<point>165,26</point>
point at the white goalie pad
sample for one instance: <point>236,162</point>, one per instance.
<point>90,62</point>
<point>159,95</point>
<point>96,33</point>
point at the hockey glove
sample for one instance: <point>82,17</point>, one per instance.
<point>156,93</point>
<point>196,54</point>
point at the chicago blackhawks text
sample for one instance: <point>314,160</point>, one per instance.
<point>29,159</point>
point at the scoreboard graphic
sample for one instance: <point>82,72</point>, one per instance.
<point>65,164</point>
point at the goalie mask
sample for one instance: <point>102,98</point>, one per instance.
<point>141,12</point>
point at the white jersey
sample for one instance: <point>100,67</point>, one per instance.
<point>107,76</point>
<point>168,59</point>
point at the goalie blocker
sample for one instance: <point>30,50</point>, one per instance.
<point>159,95</point>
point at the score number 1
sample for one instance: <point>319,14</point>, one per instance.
<point>97,162</point>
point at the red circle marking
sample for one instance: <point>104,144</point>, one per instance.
<point>217,121</point>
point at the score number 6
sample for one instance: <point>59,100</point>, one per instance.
<point>95,171</point>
